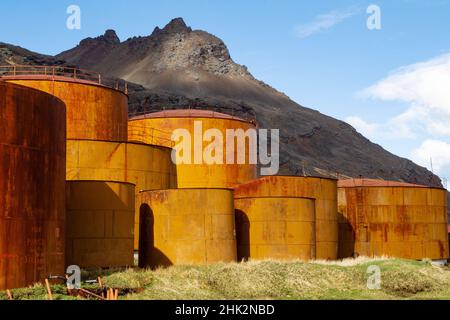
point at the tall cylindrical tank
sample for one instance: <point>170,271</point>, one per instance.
<point>100,224</point>
<point>382,218</point>
<point>32,182</point>
<point>187,226</point>
<point>157,128</point>
<point>322,190</point>
<point>94,112</point>
<point>148,167</point>
<point>275,228</point>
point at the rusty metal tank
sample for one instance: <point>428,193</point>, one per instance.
<point>385,218</point>
<point>32,182</point>
<point>157,129</point>
<point>187,227</point>
<point>94,111</point>
<point>275,228</point>
<point>148,167</point>
<point>279,194</point>
<point>100,224</point>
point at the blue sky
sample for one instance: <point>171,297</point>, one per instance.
<point>391,84</point>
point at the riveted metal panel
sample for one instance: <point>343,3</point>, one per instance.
<point>148,167</point>
<point>100,224</point>
<point>188,226</point>
<point>158,131</point>
<point>276,228</point>
<point>404,221</point>
<point>323,191</point>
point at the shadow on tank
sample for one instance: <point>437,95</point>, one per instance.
<point>242,235</point>
<point>149,256</point>
<point>346,238</point>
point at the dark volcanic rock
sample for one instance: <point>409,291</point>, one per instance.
<point>177,25</point>
<point>14,55</point>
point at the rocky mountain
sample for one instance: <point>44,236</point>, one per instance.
<point>177,67</point>
<point>14,55</point>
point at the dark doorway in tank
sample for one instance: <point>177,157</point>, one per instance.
<point>146,235</point>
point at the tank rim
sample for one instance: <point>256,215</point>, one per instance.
<point>281,176</point>
<point>275,197</point>
<point>22,87</point>
<point>312,176</point>
<point>171,114</point>
<point>371,182</point>
<point>396,187</point>
<point>185,189</point>
<point>8,79</point>
<point>124,142</point>
<point>101,181</point>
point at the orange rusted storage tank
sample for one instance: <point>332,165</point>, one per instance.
<point>94,112</point>
<point>148,167</point>
<point>186,226</point>
<point>157,129</point>
<point>385,218</point>
<point>279,194</point>
<point>275,228</point>
<point>32,184</point>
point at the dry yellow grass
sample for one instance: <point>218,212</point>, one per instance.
<point>346,279</point>
<point>296,280</point>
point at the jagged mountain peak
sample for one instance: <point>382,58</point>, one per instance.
<point>175,47</point>
<point>176,26</point>
<point>108,38</point>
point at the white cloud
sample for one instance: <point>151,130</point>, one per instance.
<point>423,83</point>
<point>324,22</point>
<point>365,128</point>
<point>425,86</point>
<point>391,130</point>
<point>437,151</point>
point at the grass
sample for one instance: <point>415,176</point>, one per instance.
<point>272,280</point>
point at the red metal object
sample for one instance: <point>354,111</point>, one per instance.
<point>32,184</point>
